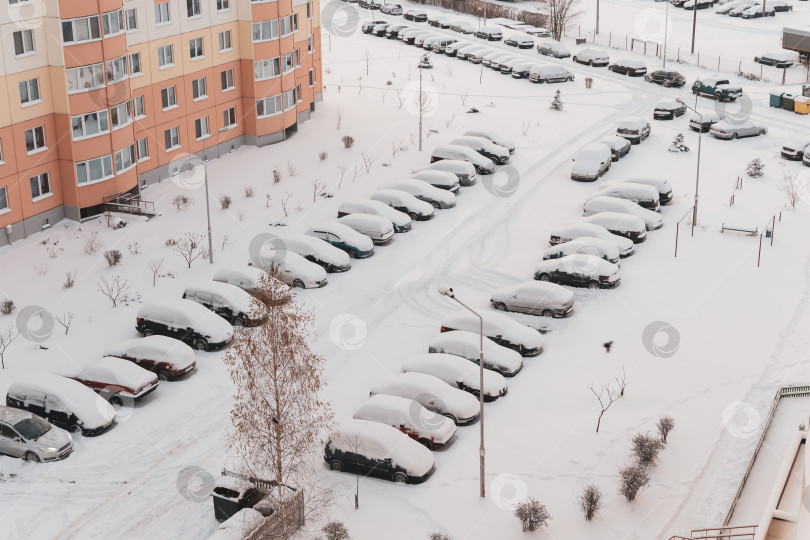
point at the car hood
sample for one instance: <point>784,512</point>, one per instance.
<point>53,438</point>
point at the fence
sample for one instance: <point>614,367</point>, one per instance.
<point>283,523</point>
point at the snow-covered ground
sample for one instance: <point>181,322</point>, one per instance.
<point>740,330</point>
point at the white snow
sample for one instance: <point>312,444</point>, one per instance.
<point>435,394</point>
<point>453,369</point>
<point>233,296</point>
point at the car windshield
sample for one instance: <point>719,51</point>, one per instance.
<point>32,428</point>
<point>674,74</point>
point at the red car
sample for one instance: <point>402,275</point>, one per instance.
<point>117,380</point>
<point>165,356</point>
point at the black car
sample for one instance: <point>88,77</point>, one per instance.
<point>368,26</point>
<point>668,110</point>
<point>415,16</point>
<point>778,60</point>
<point>369,4</point>
<point>185,320</point>
<point>665,78</point>
<point>393,31</point>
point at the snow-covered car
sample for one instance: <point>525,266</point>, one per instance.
<point>415,15</point>
<point>420,39</point>
<point>401,221</point>
<point>591,162</point>
<point>489,33</point>
<point>440,21</point>
<point>32,438</point>
<point>294,270</point>
<point>737,11</point>
<point>499,328</point>
<point>666,78</point>
<point>444,180</point>
<point>643,195</point>
<point>391,9</point>
<point>369,4</point>
<point>243,523</point>
<point>483,165</point>
<point>663,186</point>
<point>555,49</point>
<point>116,380</point>
<point>627,225</point>
<point>521,70</point>
<point>757,11</point>
<point>508,66</point>
<point>404,202</point>
<point>63,402</point>
<point>374,449</point>
<point>704,121</point>
<point>633,129</point>
<point>668,109</point>
<point>409,36</point>
<point>592,57</point>
<point>477,56</point>
<point>652,220</point>
<point>493,137</point>
<point>315,250</point>
<point>780,5</point>
<point>459,372</point>
<point>534,298</point>
<point>604,249</point>
<point>379,29</point>
<point>368,26</point>
<point>429,429</point>
<point>226,300</point>
<point>548,74</point>
<point>464,171</point>
<point>776,59</point>
<point>725,9</point>
<point>437,198</point>
<point>428,43</point>
<point>504,360</point>
<point>184,320</point>
<point>462,27</point>
<point>493,56</point>
<point>463,52</point>
<point>717,87</point>
<point>573,231</point>
<point>619,146</point>
<point>521,41</point>
<point>725,129</point>
<point>356,245</point>
<point>579,271</point>
<point>433,393</point>
<point>626,66</point>
<point>453,48</point>
<point>166,357</point>
<point>379,229</point>
<point>392,32</point>
<point>795,148</point>
<point>247,278</point>
<point>495,152</point>
<point>536,31</point>
<point>698,4</point>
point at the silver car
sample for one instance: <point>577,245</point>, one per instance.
<point>31,437</point>
<point>725,129</point>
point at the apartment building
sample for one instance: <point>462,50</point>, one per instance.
<point>103,97</point>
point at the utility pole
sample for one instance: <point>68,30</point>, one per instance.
<point>597,17</point>
<point>694,25</point>
<point>421,104</point>
<point>666,27</point>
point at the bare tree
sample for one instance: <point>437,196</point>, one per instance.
<point>342,170</point>
<point>464,98</point>
<point>113,288</point>
<point>632,479</point>
<point>396,147</point>
<point>449,121</point>
<point>368,160</point>
<point>40,269</point>
<point>532,514</point>
<point>367,58</point>
<point>561,13</point>
<point>317,188</point>
<point>357,170</point>
<point>92,243</point>
<point>401,99</point>
<point>6,337</point>
<point>284,202</point>
<point>438,536</point>
<point>70,280</point>
<point>792,187</point>
<point>155,265</point>
<point>590,501</point>
<point>336,530</point>
<point>339,118</point>
<point>66,319</point>
<point>226,238</point>
<point>190,247</point>
<point>606,396</point>
<point>621,382</point>
<point>665,424</point>
<point>526,126</point>
<point>292,170</point>
<point>646,449</point>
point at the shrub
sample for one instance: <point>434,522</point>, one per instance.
<point>249,193</point>
<point>646,449</point>
<point>113,257</point>
<point>348,141</point>
<point>335,530</point>
<point>631,480</point>
<point>92,244</point>
<point>438,536</point>
<point>665,425</point>
<point>590,500</point>
<point>322,156</point>
<point>532,514</point>
<point>70,280</point>
<point>276,175</point>
<point>171,242</point>
<point>182,202</point>
<point>588,82</point>
<point>225,201</point>
<point>7,307</point>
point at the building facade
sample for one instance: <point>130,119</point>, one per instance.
<point>103,97</point>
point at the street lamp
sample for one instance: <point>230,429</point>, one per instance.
<point>207,204</point>
<point>697,173</point>
<point>666,27</point>
<point>449,293</point>
<point>694,25</point>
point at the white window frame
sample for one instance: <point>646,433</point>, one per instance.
<point>267,30</point>
<point>23,42</point>
<point>42,194</point>
<point>223,36</point>
<point>107,19</point>
<point>287,63</point>
<point>229,118</point>
<point>34,131</point>
<point>4,198</point>
<point>223,5</point>
<point>105,162</point>
<point>231,77</point>
<point>199,123</point>
<point>288,22</point>
<point>173,136</point>
<point>199,88</point>
<point>166,56</point>
<point>310,48</point>
<point>142,156</point>
<point>131,19</point>
<point>168,98</point>
<point>269,68</point>
<point>119,64</point>
<point>309,10</point>
<point>103,117</point>
<point>138,103</point>
<point>261,104</point>
<point>193,9</point>
<point>134,64</point>
<point>120,156</point>
<point>116,111</point>
<point>289,99</point>
<point>195,52</point>
<point>163,14</point>
<point>31,87</point>
<point>90,29</point>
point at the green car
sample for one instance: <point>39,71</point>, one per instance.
<point>357,245</point>
<point>719,88</point>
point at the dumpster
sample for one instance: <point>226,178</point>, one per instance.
<point>776,99</point>
<point>801,105</point>
<point>787,102</point>
<point>806,90</point>
<point>233,494</point>
<point>581,41</point>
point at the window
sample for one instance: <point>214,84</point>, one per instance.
<point>168,97</point>
<point>312,77</point>
<point>29,91</point>
<point>222,5</point>
<point>121,114</point>
<point>165,56</point>
<point>23,42</point>
<point>1,155</point>
<point>229,117</point>
<point>135,63</point>
<point>285,25</point>
<point>172,137</point>
<point>94,170</point>
<point>309,10</point>
<point>138,107</point>
<point>40,185</point>
<point>309,44</point>
<point>117,69</point>
<point>196,48</point>
<point>35,139</point>
<point>225,43</point>
<point>295,22</point>
<point>131,19</point>
<point>87,125</point>
<point>287,63</point>
<point>298,92</point>
<point>193,8</point>
<point>266,69</point>
<point>265,30</point>
<point>162,13</point>
<point>227,80</point>
<point>269,106</point>
<point>125,159</point>
<point>81,29</point>
<point>289,99</point>
<point>201,127</point>
<point>84,78</point>
<point>198,88</point>
<point>3,199</point>
<point>143,149</point>
<point>297,58</point>
<point>113,22</point>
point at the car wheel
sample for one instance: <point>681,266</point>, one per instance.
<point>593,285</point>
<point>336,465</point>
<point>569,79</point>
<point>544,277</point>
<point>148,332</point>
<point>590,63</point>
<point>400,478</point>
<point>500,306</point>
<point>163,376</point>
<point>75,428</point>
<point>734,135</point>
<point>413,215</point>
<point>116,400</point>
<point>352,254</point>
<point>200,344</point>
<point>548,313</point>
<point>575,59</point>
<point>298,283</point>
<point>238,321</point>
<point>718,97</point>
<point>665,84</point>
<point>426,443</point>
<point>451,417</point>
<point>31,457</point>
<point>436,205</point>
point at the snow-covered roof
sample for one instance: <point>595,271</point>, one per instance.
<point>467,344</point>
<point>495,324</point>
<point>344,232</point>
<point>616,220</point>
<point>295,263</point>
<point>248,277</point>
<point>111,370</point>
<point>368,222</point>
<point>377,208</point>
<point>245,521</point>
<point>453,369</point>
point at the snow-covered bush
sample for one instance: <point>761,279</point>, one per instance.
<point>590,501</point>
<point>646,449</point>
<point>632,479</point>
<point>70,280</point>
<point>755,169</point>
<point>348,141</point>
<point>276,174</point>
<point>335,530</point>
<point>532,514</point>
<point>556,103</point>
<point>678,145</point>
<point>665,425</point>
<point>588,82</point>
<point>322,156</point>
<point>182,202</point>
<point>113,257</point>
<point>225,201</point>
<point>114,288</point>
<point>438,536</point>
<point>92,244</point>
<point>170,242</point>
<point>7,307</point>
<point>134,248</point>
<point>249,193</point>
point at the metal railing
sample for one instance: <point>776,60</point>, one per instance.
<point>129,203</point>
<point>740,532</point>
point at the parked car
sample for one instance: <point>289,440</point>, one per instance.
<point>592,57</point>
<point>633,129</point>
<point>420,39</point>
<point>369,4</point>
<point>440,21</point>
<point>453,48</point>
<point>482,164</point>
<point>392,32</point>
<point>374,449</point>
<point>459,372</point>
<point>505,361</point>
<point>404,202</point>
<point>549,74</point>
<point>408,36</point>
<point>643,195</point>
<point>435,173</point>
<point>443,180</point>
<point>521,41</point>
<point>521,70</point>
<point>379,29</point>
<point>368,26</point>
<point>737,11</point>
<point>401,220</point>
<point>463,52</point>
<point>604,249</point>
<point>776,59</point>
<point>579,271</point>
<point>184,320</point>
<point>619,146</point>
<point>117,380</point>
<point>725,9</point>
<point>536,31</point>
<point>63,402</point>
<point>591,162</point>
<point>228,301</point>
<point>429,42</point>
<point>441,45</point>
<point>662,185</point>
<point>627,225</point>
<point>355,244</point>
<point>554,49</point>
<point>499,328</point>
<point>573,231</point>
<point>462,27</point>
<point>433,393</point>
<point>415,15</point>
<point>391,9</point>
<point>666,78</point>
<point>166,357</point>
<point>626,66</point>
<point>295,270</point>
<point>757,11</point>
<point>477,56</point>
<point>380,230</point>
<point>534,298</point>
<point>508,66</point>
<point>429,429</point>
<point>795,148</point>
<point>493,137</point>
<point>780,5</point>
<point>652,220</point>
<point>32,438</point>
<point>495,152</point>
<point>494,57</point>
<point>489,33</point>
<point>806,158</point>
<point>727,130</point>
<point>247,278</point>
<point>668,109</point>
<point>423,191</point>
<point>703,122</point>
<point>698,4</point>
<point>718,87</point>
<point>315,250</point>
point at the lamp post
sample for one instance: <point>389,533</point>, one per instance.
<point>694,25</point>
<point>207,204</point>
<point>449,293</point>
<point>697,172</point>
<point>597,18</point>
<point>666,28</point>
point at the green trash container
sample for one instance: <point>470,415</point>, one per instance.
<point>776,99</point>
<point>787,102</point>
